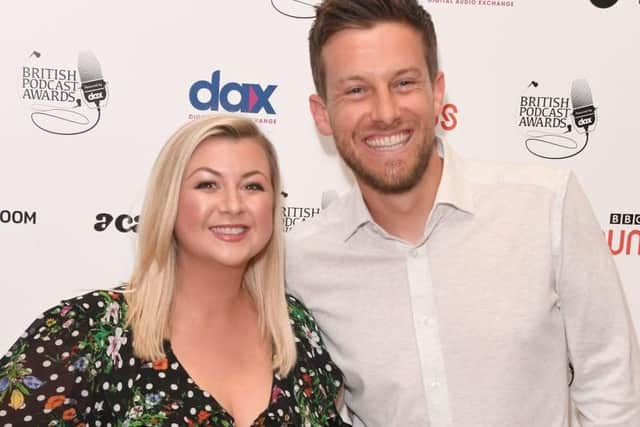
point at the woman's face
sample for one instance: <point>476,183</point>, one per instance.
<point>225,207</point>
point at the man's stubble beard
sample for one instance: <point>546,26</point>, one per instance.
<point>391,182</point>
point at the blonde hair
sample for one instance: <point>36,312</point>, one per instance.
<point>150,289</point>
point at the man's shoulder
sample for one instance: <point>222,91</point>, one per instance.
<point>483,172</point>
<point>327,225</point>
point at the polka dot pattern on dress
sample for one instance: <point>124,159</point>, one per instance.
<point>77,363</point>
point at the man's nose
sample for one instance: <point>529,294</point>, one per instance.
<point>385,109</point>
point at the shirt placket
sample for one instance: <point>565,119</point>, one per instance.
<point>427,333</point>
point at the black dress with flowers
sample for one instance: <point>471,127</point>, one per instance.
<point>75,367</point>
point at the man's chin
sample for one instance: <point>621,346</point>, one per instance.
<point>391,184</point>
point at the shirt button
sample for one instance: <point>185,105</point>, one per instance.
<point>435,385</point>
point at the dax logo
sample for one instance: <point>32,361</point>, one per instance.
<point>232,97</point>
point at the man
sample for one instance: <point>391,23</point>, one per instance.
<point>450,292</point>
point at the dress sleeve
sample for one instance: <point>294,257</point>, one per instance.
<point>602,344</point>
<point>45,376</point>
<point>320,381</point>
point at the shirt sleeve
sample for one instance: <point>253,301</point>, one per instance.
<point>45,375</point>
<point>602,343</point>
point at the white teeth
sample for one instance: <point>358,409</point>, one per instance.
<point>388,141</point>
<point>228,230</point>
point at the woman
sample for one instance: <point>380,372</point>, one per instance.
<point>203,334</point>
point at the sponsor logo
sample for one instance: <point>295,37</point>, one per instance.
<point>449,117</point>
<point>556,124</point>
<point>215,94</point>
<point>623,236</point>
<point>292,215</point>
<point>481,3</point>
<point>63,95</point>
<point>232,97</point>
<point>123,223</point>
<point>603,4</point>
<point>297,9</point>
<point>17,217</point>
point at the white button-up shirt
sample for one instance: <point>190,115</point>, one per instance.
<point>477,323</point>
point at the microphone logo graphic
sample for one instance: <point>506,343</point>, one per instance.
<point>93,86</point>
<point>584,113</point>
<point>556,124</point>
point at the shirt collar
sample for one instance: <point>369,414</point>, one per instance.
<point>454,190</point>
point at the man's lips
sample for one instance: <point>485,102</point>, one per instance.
<point>388,142</point>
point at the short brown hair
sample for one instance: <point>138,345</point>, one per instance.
<point>333,16</point>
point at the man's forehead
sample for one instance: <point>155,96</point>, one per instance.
<point>387,46</point>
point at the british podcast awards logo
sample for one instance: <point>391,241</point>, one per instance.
<point>556,125</point>
<point>63,97</point>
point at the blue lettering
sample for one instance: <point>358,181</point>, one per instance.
<point>224,97</point>
<point>253,97</point>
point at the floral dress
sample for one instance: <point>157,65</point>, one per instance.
<point>75,366</point>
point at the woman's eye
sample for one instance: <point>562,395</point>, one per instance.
<point>254,186</point>
<point>206,185</point>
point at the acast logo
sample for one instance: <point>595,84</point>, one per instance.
<point>232,97</point>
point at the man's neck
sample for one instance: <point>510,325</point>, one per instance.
<point>404,215</point>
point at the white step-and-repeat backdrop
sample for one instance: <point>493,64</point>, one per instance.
<point>72,177</point>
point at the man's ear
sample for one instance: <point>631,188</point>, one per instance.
<point>320,114</point>
<point>438,89</point>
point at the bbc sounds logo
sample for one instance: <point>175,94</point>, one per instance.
<point>623,235</point>
<point>63,95</point>
<point>557,122</point>
<point>215,94</point>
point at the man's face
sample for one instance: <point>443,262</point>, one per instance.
<point>381,106</point>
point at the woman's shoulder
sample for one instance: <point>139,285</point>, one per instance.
<point>62,354</point>
<point>301,318</point>
<point>97,300</point>
<point>83,312</point>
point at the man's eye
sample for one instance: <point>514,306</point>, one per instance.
<point>206,185</point>
<point>254,186</point>
<point>355,91</point>
<point>406,83</point>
